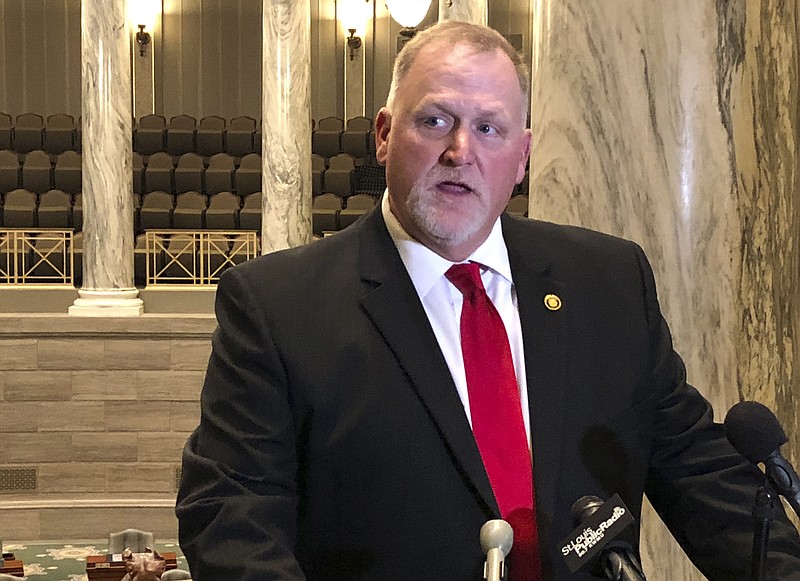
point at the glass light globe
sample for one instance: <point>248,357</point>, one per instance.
<point>408,13</point>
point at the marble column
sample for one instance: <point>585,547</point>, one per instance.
<point>475,11</point>
<point>675,124</point>
<point>286,125</point>
<point>108,288</point>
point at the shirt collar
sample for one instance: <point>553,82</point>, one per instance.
<point>425,267</point>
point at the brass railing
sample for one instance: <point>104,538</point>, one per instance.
<point>36,256</point>
<point>181,257</point>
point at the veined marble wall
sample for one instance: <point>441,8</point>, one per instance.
<point>676,124</point>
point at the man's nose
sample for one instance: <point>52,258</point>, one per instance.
<point>460,149</point>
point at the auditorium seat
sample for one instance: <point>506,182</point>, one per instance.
<point>137,167</point>
<point>239,137</point>
<point>149,135</point>
<point>189,212</point>
<point>6,131</point>
<point>181,135</point>
<point>159,173</point>
<point>28,133</point>
<point>79,134</point>
<point>180,259</point>
<point>339,175</point>
<point>518,205</point>
<point>19,209</point>
<point>140,252</point>
<point>326,138</point>
<point>325,213</point>
<point>369,179</point>
<point>10,171</point>
<point>248,175</point>
<point>216,249</point>
<point>219,174</point>
<point>250,214</point>
<point>77,213</point>
<point>68,171</point>
<point>318,168</point>
<point>354,137</point>
<point>7,256</point>
<point>223,211</point>
<point>371,146</point>
<point>137,212</point>
<point>134,539</point>
<point>210,135</point>
<point>77,258</point>
<point>523,187</point>
<point>48,259</point>
<point>357,206</point>
<point>241,248</point>
<point>55,210</point>
<point>37,172</point>
<point>59,133</point>
<point>156,212</point>
<point>189,173</point>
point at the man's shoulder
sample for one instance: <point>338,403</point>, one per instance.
<point>563,238</point>
<point>318,254</point>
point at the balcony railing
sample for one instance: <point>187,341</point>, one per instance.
<point>36,257</point>
<point>164,257</point>
<point>181,257</point>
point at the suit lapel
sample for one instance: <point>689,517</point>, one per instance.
<point>544,334</point>
<point>393,306</point>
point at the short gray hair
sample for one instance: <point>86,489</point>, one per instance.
<point>479,38</point>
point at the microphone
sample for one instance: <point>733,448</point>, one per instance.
<point>595,540</point>
<point>757,435</point>
<point>497,537</point>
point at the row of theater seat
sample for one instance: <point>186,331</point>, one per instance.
<point>162,211</point>
<point>341,174</point>
<point>184,134</point>
<point>190,210</point>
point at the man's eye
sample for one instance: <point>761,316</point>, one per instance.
<point>486,129</point>
<point>434,121</point>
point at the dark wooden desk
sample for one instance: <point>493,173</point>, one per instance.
<point>112,568</point>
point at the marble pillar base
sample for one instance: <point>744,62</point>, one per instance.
<point>107,303</point>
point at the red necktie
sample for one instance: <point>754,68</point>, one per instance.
<point>496,414</point>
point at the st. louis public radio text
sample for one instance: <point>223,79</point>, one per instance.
<point>590,537</point>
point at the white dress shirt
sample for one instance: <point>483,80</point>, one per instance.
<point>442,300</point>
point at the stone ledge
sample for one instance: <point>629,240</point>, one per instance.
<point>150,326</point>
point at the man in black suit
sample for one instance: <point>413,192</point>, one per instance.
<point>336,438</point>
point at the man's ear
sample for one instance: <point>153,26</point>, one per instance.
<point>383,123</point>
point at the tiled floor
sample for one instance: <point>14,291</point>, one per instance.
<point>66,561</point>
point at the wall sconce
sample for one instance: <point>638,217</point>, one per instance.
<point>353,42</point>
<point>142,39</point>
<point>353,16</point>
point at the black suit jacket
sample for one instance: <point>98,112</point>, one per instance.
<point>333,444</point>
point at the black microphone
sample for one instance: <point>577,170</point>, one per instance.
<point>497,538</point>
<point>594,542</point>
<point>757,435</point>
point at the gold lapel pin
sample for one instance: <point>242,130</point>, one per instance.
<point>552,302</point>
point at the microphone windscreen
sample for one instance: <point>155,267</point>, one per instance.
<point>583,508</point>
<point>754,431</point>
<point>497,534</point>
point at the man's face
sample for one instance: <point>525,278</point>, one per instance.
<point>454,145</point>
